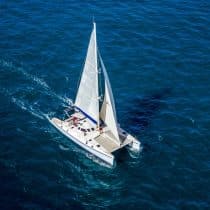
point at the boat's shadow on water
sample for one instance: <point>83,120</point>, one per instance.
<point>141,112</point>
<point>144,109</point>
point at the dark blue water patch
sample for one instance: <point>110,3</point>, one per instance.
<point>142,110</point>
<point>13,189</point>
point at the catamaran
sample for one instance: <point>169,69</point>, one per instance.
<point>93,124</point>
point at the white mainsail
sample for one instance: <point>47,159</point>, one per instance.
<point>87,99</point>
<point>108,113</point>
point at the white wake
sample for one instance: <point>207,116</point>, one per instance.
<point>14,95</point>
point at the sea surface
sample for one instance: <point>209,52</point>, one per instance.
<point>157,54</point>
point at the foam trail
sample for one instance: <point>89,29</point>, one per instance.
<point>63,147</point>
<point>12,67</point>
<point>192,120</point>
<point>23,105</point>
<point>135,154</point>
<point>30,109</point>
<point>36,80</point>
<point>6,63</point>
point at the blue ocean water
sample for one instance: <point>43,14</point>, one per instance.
<point>157,54</point>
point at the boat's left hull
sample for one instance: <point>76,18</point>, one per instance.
<point>106,157</point>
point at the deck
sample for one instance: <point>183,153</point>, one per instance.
<point>107,143</point>
<point>84,131</point>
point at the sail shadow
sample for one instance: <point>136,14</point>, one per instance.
<point>144,109</point>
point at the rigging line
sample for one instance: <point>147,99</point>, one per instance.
<point>100,77</point>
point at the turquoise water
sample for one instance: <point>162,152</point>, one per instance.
<point>157,56</point>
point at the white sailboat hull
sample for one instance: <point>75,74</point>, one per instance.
<point>106,157</point>
<point>97,143</point>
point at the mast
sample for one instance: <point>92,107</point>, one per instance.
<point>97,72</point>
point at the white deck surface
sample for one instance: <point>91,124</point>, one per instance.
<point>85,131</point>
